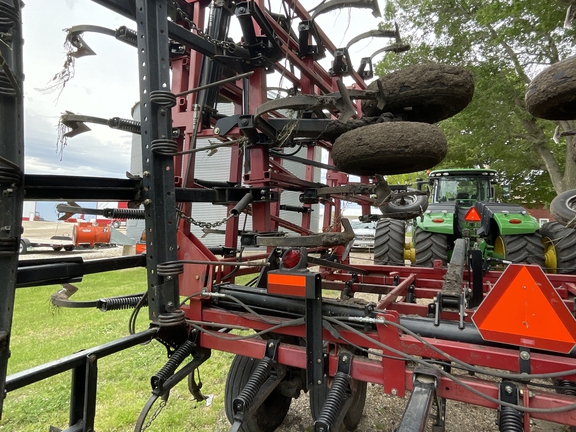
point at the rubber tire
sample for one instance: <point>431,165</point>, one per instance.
<point>273,410</point>
<point>23,247</point>
<point>390,148</point>
<point>551,94</point>
<point>353,416</point>
<point>406,208</point>
<point>563,208</point>
<point>523,248</point>
<point>563,242</point>
<point>389,240</point>
<point>429,247</point>
<point>68,248</point>
<point>56,248</point>
<point>433,92</point>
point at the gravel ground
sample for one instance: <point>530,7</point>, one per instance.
<point>381,413</point>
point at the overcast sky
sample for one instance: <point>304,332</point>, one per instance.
<point>106,85</point>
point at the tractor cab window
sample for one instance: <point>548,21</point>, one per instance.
<point>463,190</point>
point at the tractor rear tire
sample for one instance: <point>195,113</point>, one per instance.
<point>559,248</point>
<point>522,248</point>
<point>389,148</point>
<point>425,93</point>
<point>430,247</point>
<point>551,95</point>
<point>563,208</point>
<point>354,413</point>
<point>389,240</point>
<point>273,410</point>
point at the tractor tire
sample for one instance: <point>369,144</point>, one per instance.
<point>354,413</point>
<point>389,240</point>
<point>430,247</point>
<point>273,410</point>
<point>559,248</point>
<point>563,208</point>
<point>405,208</point>
<point>426,93</point>
<point>552,94</point>
<point>522,248</point>
<point>389,148</point>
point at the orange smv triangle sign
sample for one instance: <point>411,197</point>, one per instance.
<point>524,309</point>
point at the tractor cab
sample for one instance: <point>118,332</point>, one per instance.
<point>462,187</point>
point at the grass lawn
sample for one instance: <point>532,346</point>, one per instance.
<point>41,333</point>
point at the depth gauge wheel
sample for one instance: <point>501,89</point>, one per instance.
<point>354,413</point>
<point>559,248</point>
<point>425,93</point>
<point>563,208</point>
<point>522,248</point>
<point>552,94</point>
<point>273,410</point>
<point>430,247</point>
<point>389,240</point>
<point>389,148</point>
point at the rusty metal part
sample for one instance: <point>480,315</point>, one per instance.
<point>329,239</point>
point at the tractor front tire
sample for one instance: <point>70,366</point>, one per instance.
<point>551,95</point>
<point>430,247</point>
<point>389,240</point>
<point>522,248</point>
<point>389,148</point>
<point>273,410</point>
<point>559,248</point>
<point>425,93</point>
<point>563,208</point>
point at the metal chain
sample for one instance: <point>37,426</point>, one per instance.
<point>223,44</point>
<point>200,224</point>
<point>156,413</point>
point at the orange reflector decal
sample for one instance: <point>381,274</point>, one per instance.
<point>283,284</point>
<point>524,309</point>
<point>472,215</point>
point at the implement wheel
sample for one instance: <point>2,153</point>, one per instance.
<point>522,248</point>
<point>389,240</point>
<point>559,248</point>
<point>354,414</point>
<point>273,410</point>
<point>390,148</point>
<point>430,247</point>
<point>563,208</point>
<point>552,94</point>
<point>425,93</point>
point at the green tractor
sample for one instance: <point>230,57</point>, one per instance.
<point>461,205</point>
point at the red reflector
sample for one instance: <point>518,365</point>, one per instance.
<point>515,221</point>
<point>438,220</point>
<point>291,258</point>
<point>472,215</point>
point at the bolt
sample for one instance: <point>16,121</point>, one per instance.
<point>92,358</point>
<point>270,345</point>
<point>146,173</point>
<point>216,131</point>
<point>345,359</point>
<point>319,382</point>
<point>523,287</point>
<point>319,361</point>
<point>197,277</point>
<point>394,392</point>
<point>170,304</point>
<point>244,122</point>
<point>508,389</point>
<point>147,201</point>
<point>525,355</point>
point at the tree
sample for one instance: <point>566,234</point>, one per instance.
<point>504,43</point>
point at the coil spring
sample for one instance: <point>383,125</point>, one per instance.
<point>125,34</point>
<point>171,319</point>
<point>172,364</point>
<point>170,269</point>
<point>10,175</point>
<point>511,420</point>
<point>568,387</point>
<point>163,98</point>
<point>251,388</point>
<point>8,16</point>
<point>120,303</point>
<point>6,88</point>
<point>166,147</point>
<point>333,405</point>
<point>126,214</point>
<point>126,125</point>
<point>8,246</point>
